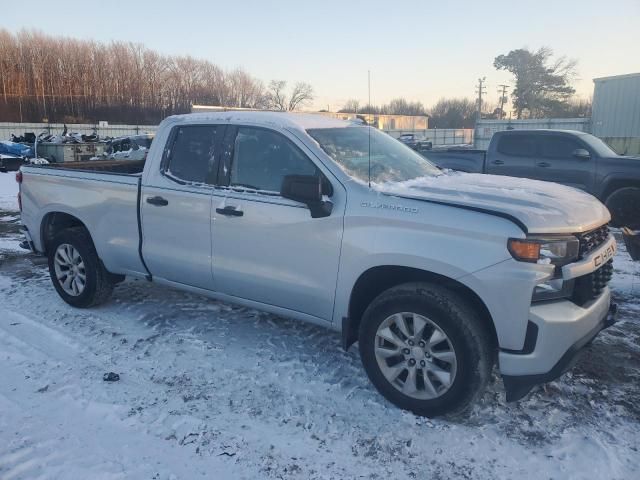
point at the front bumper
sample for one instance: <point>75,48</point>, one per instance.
<point>561,330</point>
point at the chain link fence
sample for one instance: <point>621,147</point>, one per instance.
<point>438,136</point>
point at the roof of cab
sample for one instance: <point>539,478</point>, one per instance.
<point>543,131</point>
<point>300,121</point>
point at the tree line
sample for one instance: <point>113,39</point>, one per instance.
<point>59,79</point>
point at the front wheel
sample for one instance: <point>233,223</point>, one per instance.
<point>77,273</point>
<point>624,205</point>
<point>425,349</point>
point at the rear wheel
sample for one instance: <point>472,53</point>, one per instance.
<point>77,273</point>
<point>425,350</point>
<point>624,205</point>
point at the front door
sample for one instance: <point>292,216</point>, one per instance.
<point>267,248</point>
<point>558,162</point>
<point>176,204</point>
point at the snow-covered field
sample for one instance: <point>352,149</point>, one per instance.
<point>210,390</point>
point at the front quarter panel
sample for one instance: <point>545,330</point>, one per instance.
<point>381,230</point>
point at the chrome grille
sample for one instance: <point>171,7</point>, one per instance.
<point>591,240</point>
<point>591,286</point>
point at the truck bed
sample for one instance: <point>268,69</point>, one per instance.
<point>104,194</point>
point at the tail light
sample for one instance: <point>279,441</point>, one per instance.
<point>19,180</point>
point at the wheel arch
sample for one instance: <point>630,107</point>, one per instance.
<point>376,280</point>
<point>54,222</point>
<point>613,184</point>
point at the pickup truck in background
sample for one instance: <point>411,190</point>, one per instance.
<point>435,274</point>
<point>573,158</point>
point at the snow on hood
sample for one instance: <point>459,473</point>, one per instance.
<point>543,207</point>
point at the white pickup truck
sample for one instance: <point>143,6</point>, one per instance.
<point>437,275</point>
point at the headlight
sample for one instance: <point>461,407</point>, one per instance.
<point>556,250</point>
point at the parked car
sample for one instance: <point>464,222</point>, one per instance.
<point>573,158</point>
<point>415,142</point>
<point>436,275</point>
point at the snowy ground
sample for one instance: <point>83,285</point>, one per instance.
<point>209,390</point>
<point>8,191</point>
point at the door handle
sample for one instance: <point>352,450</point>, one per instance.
<point>230,211</point>
<point>498,162</point>
<point>543,164</point>
<point>158,201</point>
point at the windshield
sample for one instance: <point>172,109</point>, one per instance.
<point>391,161</point>
<point>601,148</point>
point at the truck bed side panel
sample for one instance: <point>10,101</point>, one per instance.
<point>105,203</point>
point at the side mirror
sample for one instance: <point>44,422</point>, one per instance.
<point>306,189</point>
<point>581,153</point>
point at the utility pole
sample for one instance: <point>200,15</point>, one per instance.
<point>503,96</point>
<point>481,89</point>
<point>369,89</point>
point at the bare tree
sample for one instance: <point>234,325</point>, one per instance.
<point>350,106</point>
<point>397,106</point>
<point>400,106</point>
<point>301,95</point>
<point>277,97</point>
<point>453,113</point>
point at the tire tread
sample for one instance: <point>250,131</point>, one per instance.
<point>455,307</point>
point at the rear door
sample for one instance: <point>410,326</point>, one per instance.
<point>515,155</point>
<point>267,248</point>
<point>176,205</point>
<point>558,163</point>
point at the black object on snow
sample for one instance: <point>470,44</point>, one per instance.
<point>632,241</point>
<point>111,377</point>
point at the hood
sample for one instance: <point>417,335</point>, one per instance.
<point>542,207</point>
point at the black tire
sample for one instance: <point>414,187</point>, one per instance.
<point>99,282</point>
<point>624,205</point>
<point>471,341</point>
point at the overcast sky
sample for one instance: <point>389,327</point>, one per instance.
<point>420,50</point>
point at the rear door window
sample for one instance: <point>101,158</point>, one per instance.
<point>192,154</point>
<point>517,145</point>
<point>558,146</point>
